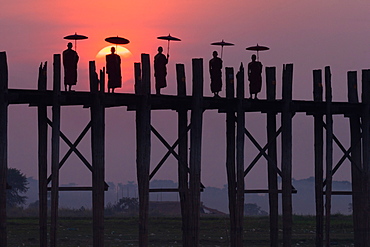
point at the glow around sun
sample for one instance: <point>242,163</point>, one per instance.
<point>121,51</point>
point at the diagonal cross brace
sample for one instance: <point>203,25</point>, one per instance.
<point>171,150</point>
<point>73,148</point>
<point>346,155</point>
<point>262,152</point>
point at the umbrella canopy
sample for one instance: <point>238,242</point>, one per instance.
<point>117,40</point>
<point>222,44</point>
<point>257,48</point>
<point>75,37</point>
<point>168,38</point>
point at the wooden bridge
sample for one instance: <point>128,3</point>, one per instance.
<point>235,107</point>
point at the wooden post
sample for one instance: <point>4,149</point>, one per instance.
<point>183,155</point>
<point>3,145</point>
<point>137,72</point>
<point>230,152</point>
<point>143,150</point>
<point>272,153</point>
<point>286,139</point>
<point>42,157</point>
<point>98,154</point>
<point>319,159</point>
<point>196,149</point>
<point>329,153</point>
<point>55,151</point>
<point>240,126</point>
<point>365,119</point>
<point>357,176</point>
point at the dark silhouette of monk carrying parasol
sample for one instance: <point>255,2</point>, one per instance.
<point>168,38</point>
<point>160,70</point>
<point>215,66</point>
<point>113,64</point>
<point>75,37</point>
<point>257,48</point>
<point>255,71</point>
<point>160,63</point>
<point>222,44</point>
<point>70,60</point>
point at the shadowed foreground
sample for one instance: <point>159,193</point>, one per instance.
<point>166,231</point>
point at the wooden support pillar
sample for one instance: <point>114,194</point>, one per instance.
<point>143,149</point>
<point>356,164</point>
<point>319,159</point>
<point>55,141</point>
<point>97,112</point>
<point>365,119</point>
<point>183,177</point>
<point>329,153</point>
<point>272,162</point>
<point>3,145</point>
<point>137,73</point>
<point>196,149</point>
<point>42,158</point>
<point>240,126</point>
<point>230,152</point>
<point>286,139</point>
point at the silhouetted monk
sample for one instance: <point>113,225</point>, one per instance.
<point>160,70</point>
<point>113,64</point>
<point>70,60</point>
<point>215,66</point>
<point>254,77</point>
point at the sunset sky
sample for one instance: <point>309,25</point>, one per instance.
<point>311,34</point>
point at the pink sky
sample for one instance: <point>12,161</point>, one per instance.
<point>309,33</point>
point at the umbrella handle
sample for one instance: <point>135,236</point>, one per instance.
<point>168,48</point>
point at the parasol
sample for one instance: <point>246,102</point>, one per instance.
<point>257,48</point>
<point>117,41</point>
<point>222,44</point>
<point>75,37</point>
<point>168,38</point>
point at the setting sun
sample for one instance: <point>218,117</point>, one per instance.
<point>121,51</point>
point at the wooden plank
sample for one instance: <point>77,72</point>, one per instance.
<point>365,119</point>
<point>329,154</point>
<point>267,191</point>
<point>55,141</point>
<point>143,149</point>
<point>79,188</point>
<point>272,162</point>
<point>3,145</point>
<point>196,150</point>
<point>286,167</point>
<point>240,126</point>
<point>183,168</point>
<point>319,159</point>
<point>42,158</point>
<point>98,153</point>
<point>230,152</point>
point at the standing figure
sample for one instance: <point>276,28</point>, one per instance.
<point>160,70</point>
<point>215,66</point>
<point>70,60</point>
<point>254,77</point>
<point>113,65</point>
